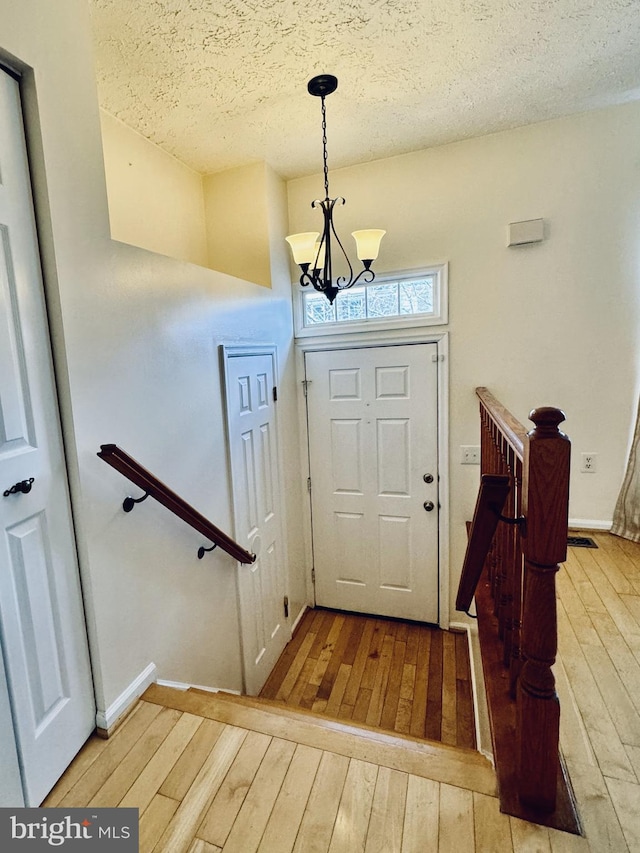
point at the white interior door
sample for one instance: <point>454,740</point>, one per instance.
<point>42,631</point>
<point>374,480</point>
<point>253,447</point>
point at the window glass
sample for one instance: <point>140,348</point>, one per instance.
<point>318,309</point>
<point>351,305</point>
<point>380,300</point>
<point>416,297</point>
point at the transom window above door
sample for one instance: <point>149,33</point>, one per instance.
<point>408,298</point>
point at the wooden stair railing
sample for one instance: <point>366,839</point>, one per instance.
<point>492,494</point>
<point>156,489</point>
<point>518,553</point>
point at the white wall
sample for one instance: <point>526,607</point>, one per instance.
<point>237,223</point>
<point>136,337</point>
<point>155,201</point>
<point>549,324</point>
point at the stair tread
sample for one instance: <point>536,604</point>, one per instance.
<point>429,759</point>
<point>276,707</point>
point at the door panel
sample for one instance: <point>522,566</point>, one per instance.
<point>16,419</point>
<point>38,617</point>
<point>372,438</point>
<point>253,444</point>
<point>42,630</point>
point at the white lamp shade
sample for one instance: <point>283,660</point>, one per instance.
<point>368,243</point>
<point>303,246</point>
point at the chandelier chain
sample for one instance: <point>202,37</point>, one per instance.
<point>324,148</point>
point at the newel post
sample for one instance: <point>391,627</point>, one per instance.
<point>545,507</point>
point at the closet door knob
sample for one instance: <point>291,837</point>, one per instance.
<point>23,486</point>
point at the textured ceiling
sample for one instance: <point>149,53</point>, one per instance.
<point>221,83</point>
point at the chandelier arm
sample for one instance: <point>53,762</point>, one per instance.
<point>319,285</point>
<point>367,276</point>
<point>323,241</point>
<point>325,272</point>
<point>311,277</point>
<point>341,278</point>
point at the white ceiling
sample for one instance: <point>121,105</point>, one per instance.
<point>222,83</point>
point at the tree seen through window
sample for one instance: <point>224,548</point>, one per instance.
<point>373,301</point>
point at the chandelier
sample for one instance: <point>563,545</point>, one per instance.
<point>311,251</point>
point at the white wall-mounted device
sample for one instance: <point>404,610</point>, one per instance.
<point>529,231</point>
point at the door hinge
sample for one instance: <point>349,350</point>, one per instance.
<point>305,385</point>
<point>275,394</point>
<point>313,575</point>
<point>309,484</point>
<point>437,358</point>
<point>286,607</point>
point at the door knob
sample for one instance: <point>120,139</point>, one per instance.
<point>23,486</point>
<point>429,505</point>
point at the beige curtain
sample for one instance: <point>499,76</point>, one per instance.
<point>626,518</point>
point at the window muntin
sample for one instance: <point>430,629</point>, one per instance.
<point>415,297</point>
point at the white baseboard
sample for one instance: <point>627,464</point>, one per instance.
<point>303,610</point>
<point>105,719</point>
<point>589,524</point>
<point>181,685</point>
<point>478,696</point>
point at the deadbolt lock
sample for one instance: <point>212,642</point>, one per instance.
<point>428,478</point>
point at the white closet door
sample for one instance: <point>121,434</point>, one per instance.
<point>43,635</point>
<point>253,443</point>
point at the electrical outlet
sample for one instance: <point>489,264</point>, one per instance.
<point>469,455</point>
<point>589,463</point>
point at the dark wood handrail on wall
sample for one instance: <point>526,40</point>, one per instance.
<point>520,548</point>
<point>156,489</point>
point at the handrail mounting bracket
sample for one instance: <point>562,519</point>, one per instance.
<point>202,550</point>
<point>520,520</point>
<point>128,503</point>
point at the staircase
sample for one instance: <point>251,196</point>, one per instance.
<point>278,780</point>
<point>464,768</point>
<point>219,773</point>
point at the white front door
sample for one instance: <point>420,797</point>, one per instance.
<point>374,481</point>
<point>43,638</point>
<point>253,447</point>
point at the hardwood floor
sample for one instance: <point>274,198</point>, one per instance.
<point>402,677</point>
<point>211,773</point>
<point>598,681</point>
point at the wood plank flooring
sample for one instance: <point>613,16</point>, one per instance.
<point>403,677</point>
<point>211,774</point>
<point>210,777</point>
<point>598,680</point>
